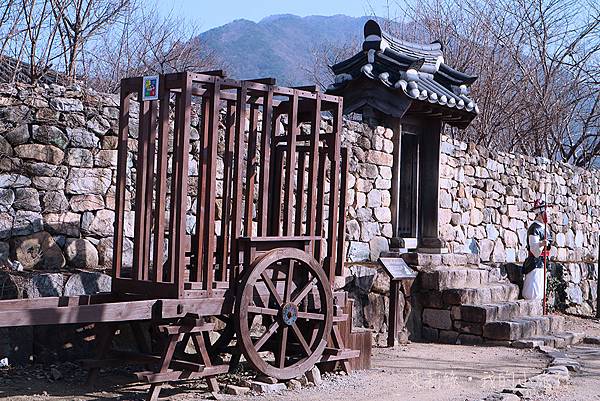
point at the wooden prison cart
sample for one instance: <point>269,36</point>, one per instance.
<point>253,273</point>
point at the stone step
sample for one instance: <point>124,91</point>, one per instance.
<point>445,259</point>
<point>488,294</point>
<point>497,311</point>
<point>524,327</point>
<point>555,340</point>
<point>458,277</point>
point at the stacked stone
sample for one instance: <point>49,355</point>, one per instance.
<point>368,227</point>
<point>485,197</point>
<point>575,287</point>
<point>57,173</point>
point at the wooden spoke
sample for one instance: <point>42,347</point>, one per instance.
<point>272,288</point>
<point>267,334</point>
<point>311,316</point>
<point>263,311</point>
<point>258,298</point>
<point>283,348</point>
<point>304,292</point>
<point>289,282</point>
<point>301,338</point>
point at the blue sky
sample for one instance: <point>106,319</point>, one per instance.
<point>212,13</point>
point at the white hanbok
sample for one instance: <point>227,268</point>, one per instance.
<point>533,285</point>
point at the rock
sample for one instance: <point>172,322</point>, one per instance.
<point>82,203</point>
<point>86,181</point>
<point>81,138</point>
<point>105,252</point>
<point>63,223</point>
<point>358,251</point>
<point>18,136</point>
<point>380,158</point>
<point>314,376</point>
<point>66,104</point>
<point>55,202</point>
<point>263,388</point>
<point>44,285</point>
<point>293,385</point>
<point>7,197</point>
<point>103,223</point>
<point>236,390</point>
<point>107,158</point>
<point>14,181</point>
<point>27,222</point>
<point>48,183</point>
<point>6,223</point>
<point>78,157</point>
<point>378,245</point>
<point>81,254</point>
<point>383,214</point>
<point>50,135</point>
<point>40,170</point>
<point>87,283</point>
<point>37,251</point>
<point>44,153</point>
<point>486,247</point>
<point>5,148</point>
<point>27,199</point>
<point>437,318</point>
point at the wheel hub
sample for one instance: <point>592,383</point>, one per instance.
<point>289,313</point>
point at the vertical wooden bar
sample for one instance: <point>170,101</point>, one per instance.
<point>121,180</point>
<point>300,193</point>
<point>161,183</point>
<point>339,267</point>
<point>334,191</point>
<point>236,225</point>
<point>201,215</point>
<point>265,162</point>
<point>313,170</point>
<point>180,172</point>
<point>290,166</point>
<point>320,203</point>
<point>149,188</point>
<point>211,189</point>
<point>275,177</point>
<point>250,170</point>
<point>140,191</point>
<point>227,174</point>
<point>173,246</point>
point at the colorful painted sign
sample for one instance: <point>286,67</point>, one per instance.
<point>150,87</point>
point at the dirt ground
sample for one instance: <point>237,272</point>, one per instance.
<point>424,372</point>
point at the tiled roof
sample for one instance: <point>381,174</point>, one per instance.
<point>417,70</point>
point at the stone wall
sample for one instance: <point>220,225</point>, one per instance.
<point>485,198</point>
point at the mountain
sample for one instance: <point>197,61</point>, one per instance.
<point>279,45</point>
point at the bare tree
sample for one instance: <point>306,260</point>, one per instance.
<point>148,44</point>
<point>80,21</point>
<point>324,55</point>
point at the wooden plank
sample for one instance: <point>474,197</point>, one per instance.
<point>211,189</point>
<point>250,171</point>
<point>313,171</point>
<point>199,238</point>
<point>161,184</point>
<point>265,162</point>
<point>181,329</point>
<point>236,226</point>
<point>275,177</point>
<point>182,182</point>
<point>290,166</point>
<point>149,188</point>
<point>140,191</point>
<point>300,194</point>
<point>339,266</point>
<point>320,203</point>
<point>125,98</point>
<point>227,176</point>
<point>185,375</point>
<point>334,192</point>
<point>173,247</point>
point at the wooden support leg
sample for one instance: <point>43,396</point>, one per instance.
<point>338,343</point>
<point>164,366</point>
<point>200,345</point>
<point>104,336</point>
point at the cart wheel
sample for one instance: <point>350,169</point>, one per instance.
<point>284,313</point>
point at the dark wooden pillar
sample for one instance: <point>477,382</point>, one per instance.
<point>429,165</point>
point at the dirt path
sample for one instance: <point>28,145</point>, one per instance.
<point>425,372</point>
